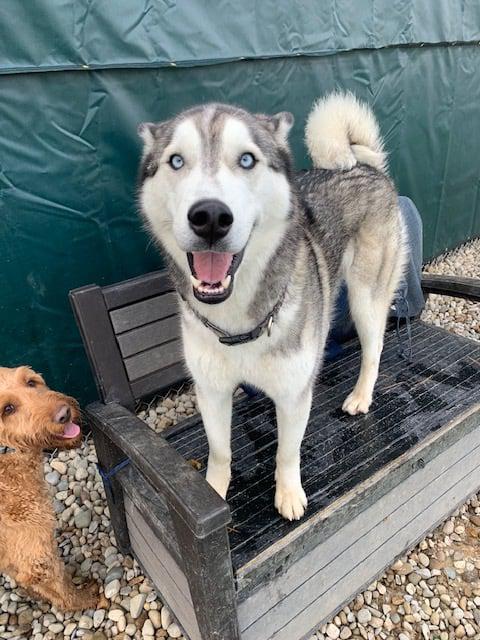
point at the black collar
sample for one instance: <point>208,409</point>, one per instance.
<point>241,338</point>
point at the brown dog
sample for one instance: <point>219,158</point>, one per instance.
<point>33,418</point>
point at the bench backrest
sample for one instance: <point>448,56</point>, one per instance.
<point>131,333</point>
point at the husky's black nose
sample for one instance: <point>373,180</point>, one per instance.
<point>210,219</point>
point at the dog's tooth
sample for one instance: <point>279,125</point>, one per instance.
<point>210,288</point>
<point>196,283</point>
<point>226,282</point>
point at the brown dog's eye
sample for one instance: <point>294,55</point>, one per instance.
<point>31,383</point>
<point>8,409</point>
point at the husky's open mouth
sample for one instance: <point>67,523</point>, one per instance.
<point>213,274</point>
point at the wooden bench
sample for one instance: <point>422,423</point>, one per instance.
<point>376,484</point>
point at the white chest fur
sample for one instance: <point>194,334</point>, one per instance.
<point>267,363</point>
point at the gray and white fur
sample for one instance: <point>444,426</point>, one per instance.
<point>240,230</point>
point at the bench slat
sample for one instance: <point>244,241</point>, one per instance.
<point>147,362</point>
<point>149,336</point>
<point>144,312</point>
<point>152,506</point>
<point>159,381</point>
<point>133,290</point>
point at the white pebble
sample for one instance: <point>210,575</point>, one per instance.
<point>364,616</point>
<point>98,617</point>
<point>174,631</point>
<point>448,527</point>
<point>147,629</point>
<point>115,614</point>
<point>85,622</point>
<point>424,559</point>
<point>155,618</point>
<point>59,466</point>
<point>112,589</point>
<point>166,617</point>
<point>333,631</point>
<point>136,605</point>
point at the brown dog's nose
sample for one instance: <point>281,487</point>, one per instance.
<point>63,415</point>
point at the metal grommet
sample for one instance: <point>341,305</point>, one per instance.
<point>269,326</point>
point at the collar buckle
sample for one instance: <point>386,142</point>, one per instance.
<point>270,325</point>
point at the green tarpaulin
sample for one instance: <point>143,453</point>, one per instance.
<point>78,76</point>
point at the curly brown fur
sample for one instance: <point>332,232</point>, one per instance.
<point>32,418</point>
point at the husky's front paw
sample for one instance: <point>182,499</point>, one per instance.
<point>357,403</point>
<point>290,501</point>
<point>218,477</point>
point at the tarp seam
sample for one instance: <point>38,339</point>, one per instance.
<point>159,64</point>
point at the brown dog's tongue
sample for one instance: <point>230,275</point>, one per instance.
<point>211,267</point>
<point>71,430</point>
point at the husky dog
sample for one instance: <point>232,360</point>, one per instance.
<point>257,254</point>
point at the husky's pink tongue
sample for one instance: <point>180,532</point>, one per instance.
<point>211,267</point>
<point>70,431</point>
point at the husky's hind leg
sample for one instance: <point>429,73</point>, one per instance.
<point>369,315</point>
<point>372,279</point>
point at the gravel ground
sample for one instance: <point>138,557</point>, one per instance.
<point>432,592</point>
<point>458,316</point>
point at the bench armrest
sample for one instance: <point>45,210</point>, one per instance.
<point>455,286</point>
<point>186,491</point>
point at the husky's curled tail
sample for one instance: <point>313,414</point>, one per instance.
<point>341,132</point>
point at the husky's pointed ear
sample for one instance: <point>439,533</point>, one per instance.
<point>283,123</point>
<point>147,131</point>
<point>280,125</point>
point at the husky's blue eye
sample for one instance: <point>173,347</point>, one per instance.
<point>247,161</point>
<point>176,161</point>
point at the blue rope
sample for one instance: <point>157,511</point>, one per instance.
<point>106,475</point>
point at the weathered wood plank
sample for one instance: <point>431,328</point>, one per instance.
<point>144,312</point>
<point>153,508</point>
<point>133,290</point>
<point>148,362</point>
<point>168,578</point>
<point>159,380</point>
<point>363,547</point>
<point>148,336</point>
<point>136,520</point>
